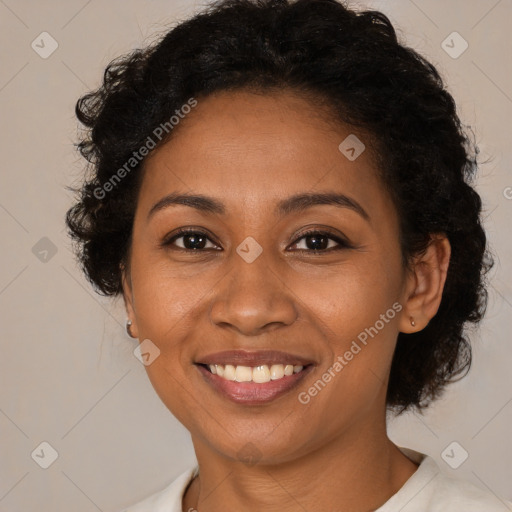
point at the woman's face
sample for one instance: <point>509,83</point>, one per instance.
<point>255,284</point>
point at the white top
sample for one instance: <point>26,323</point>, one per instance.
<point>427,490</point>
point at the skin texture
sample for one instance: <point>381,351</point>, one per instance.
<point>250,151</point>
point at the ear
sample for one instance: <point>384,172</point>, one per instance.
<point>425,284</point>
<point>128,299</point>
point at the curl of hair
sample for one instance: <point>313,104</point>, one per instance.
<point>352,64</point>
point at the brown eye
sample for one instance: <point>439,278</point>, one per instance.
<point>315,241</point>
<point>192,240</point>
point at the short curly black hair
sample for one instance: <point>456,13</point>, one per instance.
<point>355,64</point>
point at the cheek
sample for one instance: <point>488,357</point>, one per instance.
<point>350,298</point>
<point>166,309</point>
<point>355,311</point>
<point>163,297</point>
<point>351,382</point>
<point>166,313</point>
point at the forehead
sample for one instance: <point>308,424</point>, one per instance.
<point>252,150</point>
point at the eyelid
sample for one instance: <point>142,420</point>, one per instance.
<point>169,240</point>
<point>342,242</point>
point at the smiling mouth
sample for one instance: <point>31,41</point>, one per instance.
<point>258,374</point>
<point>258,392</point>
<point>253,377</point>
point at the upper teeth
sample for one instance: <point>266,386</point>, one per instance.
<point>257,374</point>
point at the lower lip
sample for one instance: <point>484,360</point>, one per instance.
<point>252,393</point>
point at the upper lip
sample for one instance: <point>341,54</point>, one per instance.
<point>253,358</point>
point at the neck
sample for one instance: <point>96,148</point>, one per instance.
<point>357,471</point>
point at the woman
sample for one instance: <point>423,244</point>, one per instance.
<point>281,193</point>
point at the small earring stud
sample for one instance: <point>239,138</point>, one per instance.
<point>128,328</point>
<point>413,323</point>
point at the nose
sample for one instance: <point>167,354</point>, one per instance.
<point>252,299</point>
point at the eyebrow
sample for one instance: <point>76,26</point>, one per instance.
<point>293,204</point>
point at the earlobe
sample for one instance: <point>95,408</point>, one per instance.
<point>131,324</point>
<point>425,285</point>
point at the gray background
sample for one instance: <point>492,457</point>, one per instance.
<point>68,374</point>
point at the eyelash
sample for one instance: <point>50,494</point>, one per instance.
<point>342,244</point>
